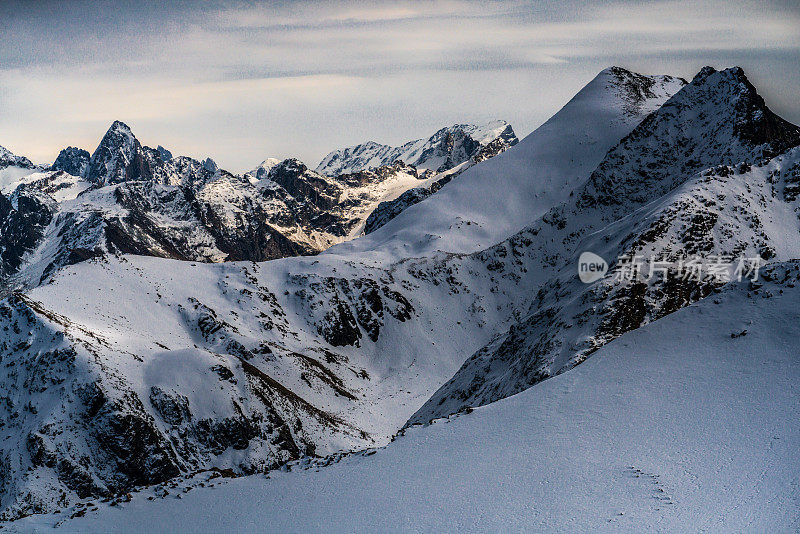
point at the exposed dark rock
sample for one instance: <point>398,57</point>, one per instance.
<point>72,160</point>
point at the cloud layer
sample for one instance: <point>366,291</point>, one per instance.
<point>245,81</point>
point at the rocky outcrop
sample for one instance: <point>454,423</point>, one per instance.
<point>23,220</point>
<point>72,160</point>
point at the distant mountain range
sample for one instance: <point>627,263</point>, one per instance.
<point>447,148</point>
<point>126,198</point>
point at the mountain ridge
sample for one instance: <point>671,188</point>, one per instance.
<point>439,153</point>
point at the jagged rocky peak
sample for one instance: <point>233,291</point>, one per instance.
<point>210,165</point>
<point>304,184</point>
<point>445,149</point>
<point>288,166</point>
<point>9,159</point>
<point>754,122</point>
<point>165,154</point>
<point>118,158</point>
<point>718,118</point>
<point>72,160</point>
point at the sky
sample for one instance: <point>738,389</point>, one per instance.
<point>243,81</point>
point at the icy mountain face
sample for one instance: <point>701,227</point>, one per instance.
<point>444,150</point>
<point>693,179</point>
<point>91,429</point>
<point>72,160</point>
<point>662,430</point>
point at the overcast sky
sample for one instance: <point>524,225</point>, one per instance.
<point>242,81</point>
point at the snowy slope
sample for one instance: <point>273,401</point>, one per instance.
<point>658,432</point>
<point>444,150</point>
<point>667,191</point>
<point>499,197</point>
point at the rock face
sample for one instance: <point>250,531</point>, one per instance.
<point>118,158</point>
<point>444,150</point>
<point>304,185</point>
<point>23,220</point>
<point>72,160</point>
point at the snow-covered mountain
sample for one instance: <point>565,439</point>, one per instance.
<point>8,159</point>
<point>13,168</point>
<point>705,174</point>
<point>660,432</point>
<point>447,148</point>
<point>125,370</point>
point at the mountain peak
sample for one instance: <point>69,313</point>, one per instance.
<point>263,168</point>
<point>753,123</point>
<point>120,126</point>
<point>718,118</point>
<point>8,158</point>
<point>165,154</point>
<point>704,73</point>
<point>72,160</point>
<point>118,158</point>
<point>210,165</point>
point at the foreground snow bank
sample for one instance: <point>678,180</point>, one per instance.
<point>688,424</point>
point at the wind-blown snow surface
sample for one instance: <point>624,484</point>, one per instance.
<point>497,198</point>
<point>689,424</point>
